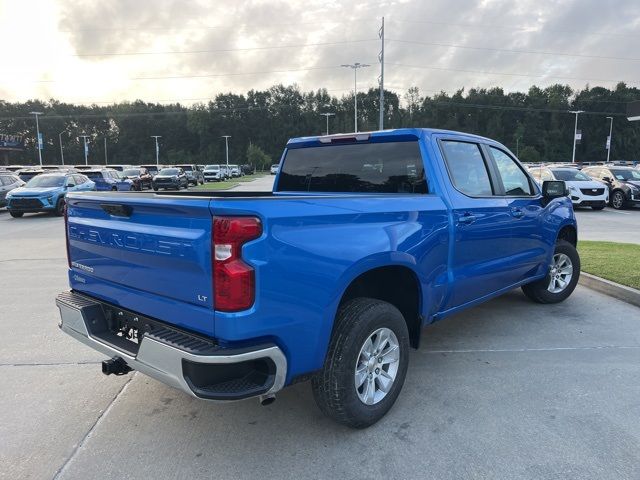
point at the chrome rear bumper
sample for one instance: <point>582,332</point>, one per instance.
<point>212,374</point>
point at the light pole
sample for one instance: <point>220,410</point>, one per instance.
<point>106,159</point>
<point>355,68</point>
<point>61,149</point>
<point>609,140</point>
<point>575,133</point>
<point>226,145</point>
<point>86,149</point>
<point>327,115</point>
<point>157,150</point>
<point>38,139</point>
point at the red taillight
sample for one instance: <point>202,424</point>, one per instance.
<point>66,232</point>
<point>234,280</point>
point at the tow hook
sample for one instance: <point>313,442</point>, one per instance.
<point>115,365</point>
<point>267,399</point>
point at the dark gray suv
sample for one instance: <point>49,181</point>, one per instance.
<point>8,182</point>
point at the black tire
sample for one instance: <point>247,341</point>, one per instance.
<point>601,207</point>
<point>114,189</point>
<point>16,214</point>
<point>333,388</point>
<point>538,291</point>
<point>59,211</point>
<point>618,200</point>
<point>155,189</point>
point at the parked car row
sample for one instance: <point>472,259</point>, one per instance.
<point>594,186</point>
<point>218,173</point>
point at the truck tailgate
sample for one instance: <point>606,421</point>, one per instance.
<point>159,247</point>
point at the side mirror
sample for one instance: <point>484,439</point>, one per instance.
<point>606,179</point>
<point>553,189</point>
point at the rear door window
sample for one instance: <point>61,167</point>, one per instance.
<point>467,168</point>
<point>515,181</point>
<point>389,167</point>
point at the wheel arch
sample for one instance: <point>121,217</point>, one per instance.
<point>568,233</point>
<point>397,284</point>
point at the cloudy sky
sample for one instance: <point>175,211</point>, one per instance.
<point>168,50</point>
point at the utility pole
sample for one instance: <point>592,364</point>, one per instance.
<point>86,149</point>
<point>517,146</point>
<point>61,149</point>
<point>609,139</point>
<point>355,68</point>
<point>381,78</point>
<point>226,145</point>
<point>39,138</point>
<point>327,115</point>
<point>106,159</point>
<point>157,150</point>
<point>575,134</point>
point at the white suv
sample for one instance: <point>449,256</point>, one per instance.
<point>583,190</point>
<point>274,169</point>
<point>213,173</point>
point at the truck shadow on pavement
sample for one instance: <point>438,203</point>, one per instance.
<point>487,388</point>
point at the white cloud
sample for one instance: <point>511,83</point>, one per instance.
<point>49,56</point>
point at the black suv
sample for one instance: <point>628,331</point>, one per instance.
<point>173,177</point>
<point>623,183</point>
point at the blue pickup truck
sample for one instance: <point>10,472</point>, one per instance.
<point>365,239</point>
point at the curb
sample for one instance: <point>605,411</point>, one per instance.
<point>613,289</point>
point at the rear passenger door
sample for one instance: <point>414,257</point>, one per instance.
<point>527,250</point>
<point>479,263</point>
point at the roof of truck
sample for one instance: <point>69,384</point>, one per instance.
<point>401,133</point>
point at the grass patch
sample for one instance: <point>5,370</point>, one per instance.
<point>250,178</point>
<point>216,186</point>
<point>227,184</point>
<point>617,262</point>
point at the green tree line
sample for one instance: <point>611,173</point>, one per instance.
<point>536,123</point>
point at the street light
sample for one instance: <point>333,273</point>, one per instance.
<point>61,149</point>
<point>157,150</point>
<point>86,148</point>
<point>38,139</point>
<point>575,133</point>
<point>609,140</point>
<point>327,115</point>
<point>355,68</point>
<point>226,144</point>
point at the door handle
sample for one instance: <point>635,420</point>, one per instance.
<point>517,212</point>
<point>466,218</point>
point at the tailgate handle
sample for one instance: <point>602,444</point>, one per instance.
<point>117,209</point>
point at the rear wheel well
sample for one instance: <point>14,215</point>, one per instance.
<point>568,234</point>
<point>393,284</point>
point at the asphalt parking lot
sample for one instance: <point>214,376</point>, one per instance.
<point>509,389</point>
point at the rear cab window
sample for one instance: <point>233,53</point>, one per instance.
<point>377,167</point>
<point>467,168</point>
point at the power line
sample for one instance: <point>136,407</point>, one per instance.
<point>226,26</point>
<point>534,52</point>
<point>535,29</point>
<point>222,50</point>
<point>510,74</point>
<point>208,75</point>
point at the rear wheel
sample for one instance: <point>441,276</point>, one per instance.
<point>617,200</point>
<point>113,189</point>
<point>562,278</point>
<point>155,189</point>
<point>16,214</point>
<point>365,365</point>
